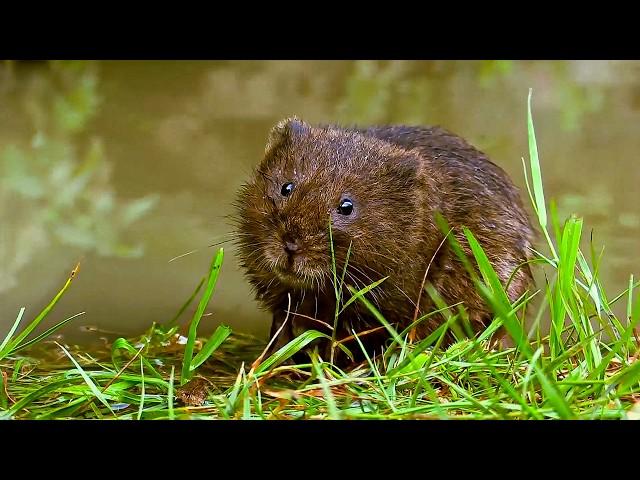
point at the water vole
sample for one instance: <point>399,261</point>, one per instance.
<point>381,188</point>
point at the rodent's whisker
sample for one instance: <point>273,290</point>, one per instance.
<point>183,255</point>
<point>222,242</point>
<point>313,319</point>
<point>195,250</point>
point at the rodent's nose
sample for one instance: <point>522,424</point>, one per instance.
<point>291,245</point>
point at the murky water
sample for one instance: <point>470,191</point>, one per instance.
<point>125,165</point>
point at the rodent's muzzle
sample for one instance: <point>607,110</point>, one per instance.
<point>295,266</point>
<point>291,245</point>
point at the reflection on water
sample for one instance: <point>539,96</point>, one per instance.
<point>55,186</point>
<point>126,165</point>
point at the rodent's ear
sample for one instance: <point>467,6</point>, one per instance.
<point>285,129</point>
<point>406,168</point>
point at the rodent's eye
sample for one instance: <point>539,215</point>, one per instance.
<point>345,207</point>
<point>287,188</point>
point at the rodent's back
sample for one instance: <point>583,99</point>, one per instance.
<point>476,192</point>
<point>466,171</point>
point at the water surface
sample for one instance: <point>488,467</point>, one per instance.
<point>125,165</point>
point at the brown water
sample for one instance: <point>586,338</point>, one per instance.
<point>126,165</point>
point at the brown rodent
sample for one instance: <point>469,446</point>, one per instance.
<point>381,187</point>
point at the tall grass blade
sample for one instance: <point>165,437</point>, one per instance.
<point>499,301</point>
<point>142,391</point>
<point>212,279</point>
<point>186,304</point>
<point>41,316</point>
<point>536,178</point>
<point>536,173</point>
<point>48,332</point>
<point>11,331</point>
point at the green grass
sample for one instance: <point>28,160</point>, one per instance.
<point>582,365</point>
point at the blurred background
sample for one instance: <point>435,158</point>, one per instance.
<point>126,164</point>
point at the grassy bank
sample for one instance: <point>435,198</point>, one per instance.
<point>575,358</point>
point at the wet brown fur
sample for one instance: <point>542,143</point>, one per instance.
<point>398,178</point>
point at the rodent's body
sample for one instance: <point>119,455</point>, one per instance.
<point>382,188</point>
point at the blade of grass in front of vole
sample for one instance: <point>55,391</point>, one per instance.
<point>218,337</point>
<point>186,304</point>
<point>334,413</point>
<point>214,272</point>
<point>333,266</point>
<point>375,373</point>
<point>337,289</point>
<point>233,394</point>
<point>362,292</point>
<point>528,185</point>
<point>246,398</point>
<point>344,269</point>
<point>499,301</point>
<point>496,291</point>
<point>397,339</point>
<point>294,346</point>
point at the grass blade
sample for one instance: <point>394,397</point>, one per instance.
<point>121,343</point>
<point>499,301</point>
<point>362,292</point>
<point>212,279</point>
<point>41,316</point>
<point>235,390</point>
<point>536,178</point>
<point>218,337</point>
<point>536,173</point>
<point>45,334</point>
<point>294,346</point>
<point>92,386</point>
<point>334,413</point>
<point>4,398</point>
<point>28,399</point>
<point>11,332</point>
<point>142,392</point>
<point>170,393</point>
<point>186,304</point>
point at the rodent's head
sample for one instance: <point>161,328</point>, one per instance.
<point>311,175</point>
